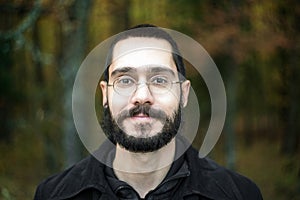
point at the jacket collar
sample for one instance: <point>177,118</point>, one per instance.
<point>207,178</point>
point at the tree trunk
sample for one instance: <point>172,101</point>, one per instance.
<point>75,44</point>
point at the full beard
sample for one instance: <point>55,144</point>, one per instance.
<point>116,135</point>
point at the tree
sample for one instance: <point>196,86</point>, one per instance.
<point>74,39</point>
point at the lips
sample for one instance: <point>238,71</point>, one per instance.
<point>141,115</point>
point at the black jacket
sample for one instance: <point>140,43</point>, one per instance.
<point>86,180</point>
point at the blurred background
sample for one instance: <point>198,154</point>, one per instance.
<point>254,43</point>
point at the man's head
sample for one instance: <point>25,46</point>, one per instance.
<point>144,90</point>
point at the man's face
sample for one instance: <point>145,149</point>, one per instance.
<point>143,112</point>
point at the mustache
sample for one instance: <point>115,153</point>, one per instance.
<point>144,109</point>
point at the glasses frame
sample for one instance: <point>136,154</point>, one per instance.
<point>146,83</point>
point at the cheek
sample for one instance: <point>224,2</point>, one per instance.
<point>117,103</point>
<point>169,103</point>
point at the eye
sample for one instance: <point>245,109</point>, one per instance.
<point>159,81</point>
<point>124,82</point>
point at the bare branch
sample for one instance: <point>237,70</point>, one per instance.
<point>25,24</point>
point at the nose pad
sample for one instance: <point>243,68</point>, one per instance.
<point>142,94</point>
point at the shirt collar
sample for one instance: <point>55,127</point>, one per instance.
<point>178,170</point>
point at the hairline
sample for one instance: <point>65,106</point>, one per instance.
<point>156,34</point>
<point>130,37</point>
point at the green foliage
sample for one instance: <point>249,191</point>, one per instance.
<point>6,195</point>
<point>255,44</point>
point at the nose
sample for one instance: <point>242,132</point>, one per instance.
<point>142,95</point>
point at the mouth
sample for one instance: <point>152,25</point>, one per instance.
<point>141,117</point>
<point>142,114</point>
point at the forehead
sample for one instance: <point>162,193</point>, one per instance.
<point>136,52</point>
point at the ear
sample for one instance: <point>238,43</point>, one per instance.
<point>103,86</point>
<point>185,88</point>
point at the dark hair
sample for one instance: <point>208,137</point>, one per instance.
<point>150,31</point>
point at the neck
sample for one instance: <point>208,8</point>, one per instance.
<point>143,171</point>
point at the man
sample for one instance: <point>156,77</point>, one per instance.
<point>144,90</point>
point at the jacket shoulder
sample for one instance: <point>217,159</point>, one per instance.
<point>66,183</point>
<point>220,182</point>
<point>247,188</point>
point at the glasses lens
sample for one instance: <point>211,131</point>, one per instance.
<point>125,85</point>
<point>159,84</point>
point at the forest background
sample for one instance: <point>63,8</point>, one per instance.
<point>254,43</point>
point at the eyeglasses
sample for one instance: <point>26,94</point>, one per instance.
<point>126,85</point>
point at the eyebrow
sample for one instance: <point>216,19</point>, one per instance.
<point>157,69</point>
<point>122,70</point>
<point>151,69</point>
